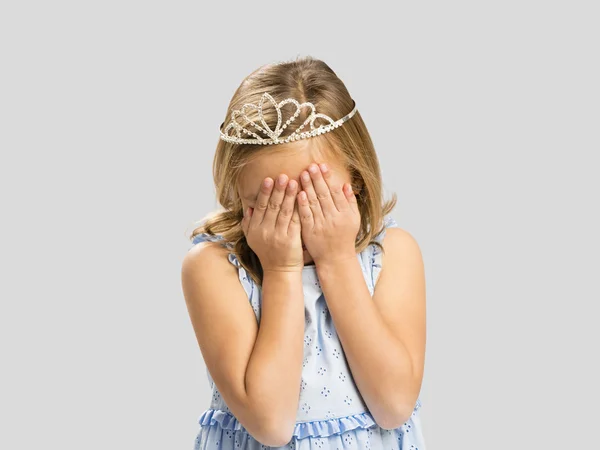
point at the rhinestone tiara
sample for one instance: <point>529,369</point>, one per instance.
<point>272,136</point>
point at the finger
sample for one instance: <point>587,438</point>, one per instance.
<point>322,189</point>
<point>351,197</point>
<point>274,203</point>
<point>294,228</point>
<point>304,211</point>
<point>262,202</point>
<point>313,201</point>
<point>287,206</point>
<point>335,189</point>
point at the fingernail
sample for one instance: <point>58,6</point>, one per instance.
<point>323,167</point>
<point>267,182</point>
<point>313,168</point>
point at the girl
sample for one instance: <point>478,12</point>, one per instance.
<point>306,298</point>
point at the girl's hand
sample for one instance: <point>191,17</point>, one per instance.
<point>329,216</point>
<point>272,228</point>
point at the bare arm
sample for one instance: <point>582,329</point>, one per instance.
<point>256,369</point>
<point>275,369</point>
<point>392,323</point>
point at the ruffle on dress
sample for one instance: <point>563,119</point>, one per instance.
<point>329,427</point>
<point>201,237</point>
<point>316,428</point>
<point>375,256</point>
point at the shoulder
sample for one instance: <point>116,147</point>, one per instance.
<point>396,236</point>
<point>205,261</point>
<point>400,247</point>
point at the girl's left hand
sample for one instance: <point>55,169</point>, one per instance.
<point>329,216</point>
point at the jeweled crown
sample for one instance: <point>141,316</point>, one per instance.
<point>235,132</point>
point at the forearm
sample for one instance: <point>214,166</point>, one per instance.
<point>274,370</point>
<point>380,363</point>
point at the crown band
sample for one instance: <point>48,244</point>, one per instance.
<point>272,136</point>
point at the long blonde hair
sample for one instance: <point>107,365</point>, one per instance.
<point>307,80</point>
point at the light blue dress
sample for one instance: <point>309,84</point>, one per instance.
<point>331,412</point>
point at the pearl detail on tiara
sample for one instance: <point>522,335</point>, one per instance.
<point>273,135</point>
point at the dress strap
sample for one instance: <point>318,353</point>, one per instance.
<point>246,280</point>
<point>376,252</point>
<point>388,221</point>
<point>206,237</point>
<point>202,237</point>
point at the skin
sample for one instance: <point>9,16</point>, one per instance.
<point>393,320</point>
<point>383,335</point>
<point>289,161</point>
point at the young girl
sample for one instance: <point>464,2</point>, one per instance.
<point>306,298</point>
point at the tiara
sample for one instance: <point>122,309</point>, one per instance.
<point>272,136</point>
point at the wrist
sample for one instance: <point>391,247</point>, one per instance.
<point>282,271</point>
<point>338,260</point>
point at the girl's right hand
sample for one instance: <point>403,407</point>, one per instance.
<point>272,228</point>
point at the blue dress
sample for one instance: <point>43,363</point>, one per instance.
<point>331,412</point>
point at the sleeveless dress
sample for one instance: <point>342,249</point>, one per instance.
<point>331,412</point>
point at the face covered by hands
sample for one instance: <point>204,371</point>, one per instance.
<point>328,226</point>
<point>329,215</point>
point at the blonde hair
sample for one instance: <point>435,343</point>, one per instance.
<point>307,80</point>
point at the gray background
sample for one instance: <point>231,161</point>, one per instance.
<point>485,117</point>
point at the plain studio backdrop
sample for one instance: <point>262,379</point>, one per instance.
<point>485,116</point>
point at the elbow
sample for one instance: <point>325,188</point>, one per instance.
<point>269,425</point>
<point>393,419</point>
<point>283,432</point>
<point>275,441</point>
<point>276,433</point>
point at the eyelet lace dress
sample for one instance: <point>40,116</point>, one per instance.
<point>331,412</point>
